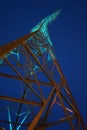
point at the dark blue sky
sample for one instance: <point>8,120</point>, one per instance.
<point>68,33</point>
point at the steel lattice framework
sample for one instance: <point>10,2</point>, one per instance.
<point>36,85</point>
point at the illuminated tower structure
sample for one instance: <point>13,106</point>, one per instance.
<point>34,93</point>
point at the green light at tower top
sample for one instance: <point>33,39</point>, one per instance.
<point>42,26</point>
<point>46,21</point>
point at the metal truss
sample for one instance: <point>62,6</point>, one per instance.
<point>33,84</point>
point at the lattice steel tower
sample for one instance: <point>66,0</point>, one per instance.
<point>34,94</point>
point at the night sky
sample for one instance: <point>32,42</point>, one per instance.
<point>68,34</point>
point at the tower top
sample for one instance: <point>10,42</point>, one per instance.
<point>42,26</point>
<point>46,21</point>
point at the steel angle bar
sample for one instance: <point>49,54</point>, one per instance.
<point>23,79</point>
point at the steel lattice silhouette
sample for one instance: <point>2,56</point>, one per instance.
<point>36,86</point>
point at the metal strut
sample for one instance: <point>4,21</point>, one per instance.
<point>31,65</point>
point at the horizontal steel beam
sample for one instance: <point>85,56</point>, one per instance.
<point>55,123</point>
<point>28,79</point>
<point>20,101</point>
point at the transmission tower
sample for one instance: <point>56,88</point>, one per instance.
<point>34,94</point>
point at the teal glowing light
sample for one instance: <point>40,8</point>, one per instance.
<point>44,35</point>
<point>23,120</point>
<point>19,114</point>
<point>42,26</point>
<point>1,60</point>
<point>35,69</point>
<point>9,117</point>
<point>15,52</point>
<point>45,22</point>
